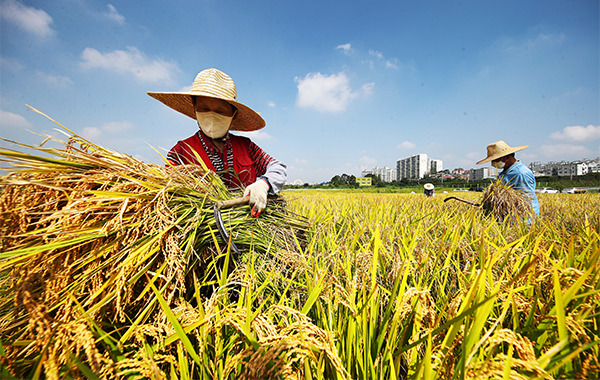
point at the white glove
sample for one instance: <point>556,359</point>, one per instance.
<point>258,196</point>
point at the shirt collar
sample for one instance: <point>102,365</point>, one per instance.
<point>511,167</point>
<point>209,142</point>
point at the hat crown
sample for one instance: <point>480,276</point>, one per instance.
<point>212,83</point>
<point>497,148</point>
<point>215,84</point>
<point>500,149</point>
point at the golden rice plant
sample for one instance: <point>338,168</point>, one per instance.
<point>98,249</point>
<point>502,201</point>
<point>385,286</point>
<point>416,288</point>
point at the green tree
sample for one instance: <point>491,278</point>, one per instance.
<point>344,180</point>
<point>376,180</point>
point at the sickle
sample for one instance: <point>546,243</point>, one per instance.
<point>462,200</point>
<point>219,220</point>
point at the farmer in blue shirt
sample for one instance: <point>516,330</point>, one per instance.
<point>515,174</point>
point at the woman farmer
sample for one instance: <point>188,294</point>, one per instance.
<point>212,102</point>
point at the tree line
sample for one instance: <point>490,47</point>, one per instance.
<point>346,181</point>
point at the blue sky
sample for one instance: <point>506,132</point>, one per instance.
<point>343,86</point>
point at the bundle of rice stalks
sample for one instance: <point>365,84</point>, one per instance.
<point>503,201</point>
<point>91,240</point>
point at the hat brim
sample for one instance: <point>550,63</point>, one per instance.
<point>502,154</point>
<point>246,119</point>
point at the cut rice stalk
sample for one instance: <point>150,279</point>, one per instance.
<point>86,232</point>
<point>503,201</point>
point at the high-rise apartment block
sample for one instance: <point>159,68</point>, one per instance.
<point>417,166</point>
<point>483,173</point>
<point>385,174</point>
<point>436,166</point>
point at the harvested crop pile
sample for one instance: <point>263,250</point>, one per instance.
<point>97,248</point>
<point>503,202</point>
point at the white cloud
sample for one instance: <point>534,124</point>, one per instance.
<point>117,126</point>
<point>467,163</point>
<point>367,88</point>
<point>557,152</point>
<point>367,162</point>
<point>11,64</point>
<point>407,145</point>
<point>271,104</point>
<point>13,120</point>
<point>54,80</point>
<point>577,133</point>
<point>527,156</point>
<point>475,156</point>
<point>574,92</point>
<point>393,64</point>
<point>376,54</point>
<point>32,20</point>
<point>300,161</point>
<point>255,135</point>
<point>130,61</point>
<point>347,48</point>
<point>114,15</point>
<point>550,39</point>
<point>91,133</point>
<point>327,93</point>
<point>186,89</point>
<point>538,41</point>
<point>544,39</point>
<point>111,128</point>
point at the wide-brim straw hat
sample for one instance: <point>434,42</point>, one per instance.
<point>500,149</point>
<point>212,83</point>
<point>429,186</point>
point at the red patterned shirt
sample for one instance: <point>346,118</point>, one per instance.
<point>189,151</point>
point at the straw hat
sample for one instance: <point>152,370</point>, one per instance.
<point>428,186</point>
<point>500,149</point>
<point>212,83</point>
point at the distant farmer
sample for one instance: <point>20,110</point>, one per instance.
<point>429,190</point>
<point>212,102</point>
<point>515,174</point>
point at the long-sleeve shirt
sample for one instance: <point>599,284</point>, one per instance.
<point>519,177</point>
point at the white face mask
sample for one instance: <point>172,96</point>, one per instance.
<point>498,164</point>
<point>213,125</point>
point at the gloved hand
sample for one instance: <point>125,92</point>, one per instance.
<point>258,196</point>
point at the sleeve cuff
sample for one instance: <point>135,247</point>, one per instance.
<point>268,183</point>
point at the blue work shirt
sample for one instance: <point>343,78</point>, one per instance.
<point>519,177</point>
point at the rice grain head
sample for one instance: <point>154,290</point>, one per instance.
<point>502,202</point>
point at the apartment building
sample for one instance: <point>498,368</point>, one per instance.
<point>481,173</point>
<point>572,169</point>
<point>435,166</point>
<point>385,174</point>
<point>417,166</point>
<point>565,168</point>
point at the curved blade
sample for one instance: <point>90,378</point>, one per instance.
<point>219,219</point>
<point>462,200</point>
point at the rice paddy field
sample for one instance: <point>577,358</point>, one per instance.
<point>112,268</point>
<point>419,288</point>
